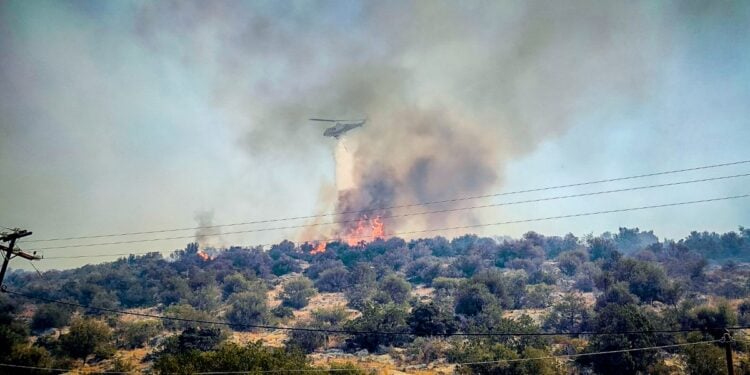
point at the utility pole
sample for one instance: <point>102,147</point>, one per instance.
<point>727,339</point>
<point>11,251</point>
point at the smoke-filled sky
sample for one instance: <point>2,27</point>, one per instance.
<point>131,116</point>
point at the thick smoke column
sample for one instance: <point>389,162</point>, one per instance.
<point>453,91</point>
<point>427,158</point>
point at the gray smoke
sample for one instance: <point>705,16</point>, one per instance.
<point>453,90</point>
<point>207,236</point>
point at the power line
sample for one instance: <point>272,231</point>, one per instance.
<point>292,370</point>
<point>564,356</point>
<point>352,332</point>
<point>103,255</point>
<point>448,210</point>
<point>640,208</point>
<point>426,203</point>
<point>585,354</point>
<point>87,371</point>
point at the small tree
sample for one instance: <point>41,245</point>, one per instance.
<point>297,292</point>
<point>206,298</point>
<point>282,312</point>
<point>570,315</point>
<point>615,318</point>
<point>12,331</point>
<point>252,358</point>
<point>235,283</point>
<point>600,248</point>
<point>428,349</point>
<point>472,298</point>
<point>188,313</point>
<point>431,320</point>
<point>618,294</point>
<point>487,359</point>
<point>200,339</point>
<point>713,320</point>
<point>29,355</point>
<point>285,265</point>
<point>332,317</point>
<point>395,288</point>
<point>307,341</point>
<point>122,365</point>
<point>137,334</point>
<point>537,296</point>
<point>359,296</point>
<point>743,313</point>
<point>87,337</point>
<point>248,308</point>
<point>50,316</point>
<point>569,261</point>
<point>379,318</point>
<point>333,280</point>
<point>705,359</point>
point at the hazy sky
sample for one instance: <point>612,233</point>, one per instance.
<point>129,116</point>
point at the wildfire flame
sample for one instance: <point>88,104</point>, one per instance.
<point>378,227</point>
<point>203,255</point>
<point>367,229</point>
<point>319,248</point>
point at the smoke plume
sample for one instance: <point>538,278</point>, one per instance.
<point>453,90</point>
<point>207,236</point>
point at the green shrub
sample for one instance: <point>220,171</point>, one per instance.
<point>247,308</point>
<point>297,292</point>
<point>136,334</point>
<point>87,337</point>
<point>50,316</point>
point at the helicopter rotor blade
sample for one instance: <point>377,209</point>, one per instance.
<point>338,120</point>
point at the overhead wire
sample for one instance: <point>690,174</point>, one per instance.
<point>447,210</point>
<point>512,360</point>
<point>563,356</point>
<point>285,370</point>
<point>429,230</point>
<point>90,371</point>
<point>425,203</point>
<point>368,332</point>
<point>470,226</point>
<point>36,269</point>
<point>85,371</point>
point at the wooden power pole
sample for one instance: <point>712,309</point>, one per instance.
<point>11,251</point>
<point>727,339</point>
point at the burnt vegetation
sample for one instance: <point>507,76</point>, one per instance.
<point>431,288</point>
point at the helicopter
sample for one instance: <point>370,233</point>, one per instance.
<point>340,127</point>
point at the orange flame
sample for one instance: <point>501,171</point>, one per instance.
<point>365,230</point>
<point>378,227</point>
<point>203,255</point>
<point>319,248</point>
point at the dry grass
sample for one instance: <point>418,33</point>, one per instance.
<point>423,293</point>
<point>536,314</point>
<point>133,318</point>
<point>323,301</point>
<point>380,365</point>
<point>274,339</point>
